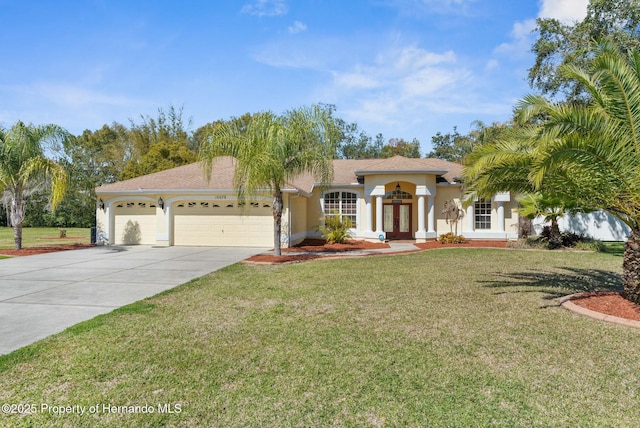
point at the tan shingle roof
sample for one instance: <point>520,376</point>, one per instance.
<point>192,177</point>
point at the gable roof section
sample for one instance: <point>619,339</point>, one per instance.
<point>345,172</point>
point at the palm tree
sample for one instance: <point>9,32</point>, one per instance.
<point>503,163</point>
<point>24,167</point>
<point>533,205</point>
<point>590,153</point>
<point>271,150</point>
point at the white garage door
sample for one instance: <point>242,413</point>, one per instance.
<point>223,223</point>
<point>135,223</point>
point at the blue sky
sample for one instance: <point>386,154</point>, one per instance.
<point>403,68</point>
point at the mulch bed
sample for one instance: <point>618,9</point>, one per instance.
<point>314,246</point>
<point>320,246</point>
<point>42,250</point>
<point>609,303</point>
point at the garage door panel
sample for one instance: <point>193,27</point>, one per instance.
<point>135,226</point>
<point>223,226</point>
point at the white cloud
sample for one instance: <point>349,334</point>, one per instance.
<point>266,8</point>
<point>401,86</point>
<point>297,27</point>
<point>520,39</point>
<point>565,11</point>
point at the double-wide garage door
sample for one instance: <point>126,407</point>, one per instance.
<point>223,224</point>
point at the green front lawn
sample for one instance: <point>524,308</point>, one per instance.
<point>44,236</point>
<point>451,337</point>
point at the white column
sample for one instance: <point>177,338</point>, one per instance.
<point>111,223</point>
<point>500,216</point>
<point>369,214</point>
<point>421,228</point>
<point>379,214</point>
<point>431,221</point>
<point>470,217</point>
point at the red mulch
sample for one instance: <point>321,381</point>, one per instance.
<point>42,250</point>
<point>320,246</point>
<point>314,246</point>
<point>609,303</point>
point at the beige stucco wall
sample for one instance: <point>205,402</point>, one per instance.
<point>444,194</point>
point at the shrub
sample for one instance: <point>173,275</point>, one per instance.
<point>336,230</point>
<point>569,240</point>
<point>450,238</point>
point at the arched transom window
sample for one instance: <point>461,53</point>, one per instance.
<point>343,204</point>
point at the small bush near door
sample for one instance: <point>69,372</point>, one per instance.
<point>450,238</point>
<point>336,230</point>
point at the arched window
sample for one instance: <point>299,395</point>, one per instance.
<point>343,204</point>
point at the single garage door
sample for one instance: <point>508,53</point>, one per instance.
<point>223,223</point>
<point>135,223</point>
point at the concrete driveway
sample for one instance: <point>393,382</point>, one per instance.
<point>44,294</point>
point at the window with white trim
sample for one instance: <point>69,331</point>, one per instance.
<point>343,204</point>
<point>482,213</point>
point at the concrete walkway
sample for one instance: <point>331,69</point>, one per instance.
<point>44,294</point>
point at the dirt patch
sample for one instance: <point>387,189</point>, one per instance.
<point>42,250</point>
<point>429,245</point>
<point>609,303</point>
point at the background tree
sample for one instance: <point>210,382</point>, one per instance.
<point>454,147</point>
<point>167,128</point>
<point>24,167</point>
<point>561,44</point>
<point>357,144</point>
<point>273,150</point>
<point>201,134</point>
<point>162,155</point>
<point>400,147</point>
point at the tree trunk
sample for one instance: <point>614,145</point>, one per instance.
<point>555,237</point>
<point>277,221</point>
<point>631,268</point>
<point>17,217</point>
<point>17,236</point>
<point>525,227</point>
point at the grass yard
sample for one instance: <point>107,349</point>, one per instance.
<point>444,338</point>
<point>44,236</point>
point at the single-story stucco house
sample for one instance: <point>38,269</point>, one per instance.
<point>394,198</point>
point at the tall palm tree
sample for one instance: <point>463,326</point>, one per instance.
<point>271,150</point>
<point>591,152</point>
<point>599,144</point>
<point>24,166</point>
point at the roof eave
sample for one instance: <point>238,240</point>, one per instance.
<point>403,172</point>
<point>187,191</point>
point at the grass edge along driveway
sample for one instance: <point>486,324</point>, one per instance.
<point>456,337</point>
